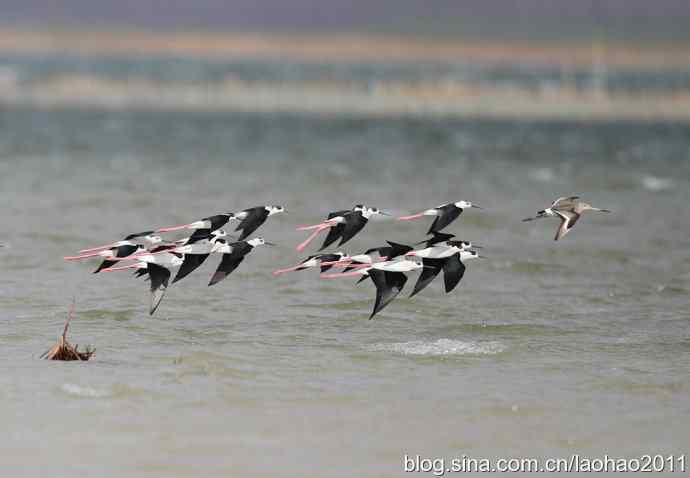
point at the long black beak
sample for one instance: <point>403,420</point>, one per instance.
<point>476,246</point>
<point>269,243</point>
<point>384,213</point>
<point>474,205</point>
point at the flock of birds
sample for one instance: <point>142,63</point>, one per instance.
<point>150,255</point>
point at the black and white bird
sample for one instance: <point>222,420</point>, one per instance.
<point>233,254</point>
<point>325,261</point>
<point>388,277</point>
<point>196,250</point>
<point>343,225</point>
<point>453,268</point>
<point>158,267</point>
<point>445,214</point>
<point>442,238</point>
<point>110,255</point>
<point>250,220</point>
<point>385,253</point>
<point>148,239</point>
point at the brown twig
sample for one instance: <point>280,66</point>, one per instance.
<point>63,350</point>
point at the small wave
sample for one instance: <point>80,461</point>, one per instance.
<point>87,392</point>
<point>441,347</point>
<point>655,184</point>
<point>543,175</point>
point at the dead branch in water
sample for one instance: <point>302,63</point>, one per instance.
<point>63,350</point>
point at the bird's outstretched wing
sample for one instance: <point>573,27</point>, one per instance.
<point>256,216</point>
<point>228,264</point>
<point>432,267</point>
<point>397,249</point>
<point>388,286</point>
<point>565,199</point>
<point>199,235</point>
<point>191,262</point>
<point>437,238</point>
<point>334,233</point>
<point>159,276</point>
<point>568,220</point>
<point>453,270</point>
<point>449,213</point>
<point>355,223</point>
<point>139,234</point>
<point>104,265</point>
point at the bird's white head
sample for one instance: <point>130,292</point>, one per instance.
<point>222,246</point>
<point>372,211</point>
<point>465,205</point>
<point>147,258</point>
<point>275,209</point>
<point>153,239</point>
<point>259,241</point>
<point>465,255</point>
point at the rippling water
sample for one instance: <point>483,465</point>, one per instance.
<point>545,349</point>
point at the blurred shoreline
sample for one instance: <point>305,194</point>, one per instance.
<point>344,47</point>
<point>335,92</point>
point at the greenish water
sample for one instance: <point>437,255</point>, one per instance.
<point>545,349</point>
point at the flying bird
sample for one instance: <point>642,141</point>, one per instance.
<point>568,210</point>
<point>453,268</point>
<point>325,261</point>
<point>149,239</point>
<point>111,255</point>
<point>233,254</point>
<point>250,219</point>
<point>388,277</point>
<point>343,225</point>
<point>564,201</point>
<point>158,267</point>
<point>445,214</point>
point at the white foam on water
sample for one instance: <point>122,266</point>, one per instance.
<point>79,391</point>
<point>543,175</point>
<point>655,184</point>
<point>441,347</point>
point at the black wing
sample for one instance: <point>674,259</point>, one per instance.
<point>140,272</point>
<point>355,222</point>
<point>256,216</point>
<point>453,270</point>
<point>438,238</point>
<point>217,221</point>
<point>388,286</point>
<point>397,250</point>
<point>138,234</point>
<point>159,284</point>
<point>105,264</point>
<point>334,233</point>
<point>191,262</point>
<point>333,214</point>
<point>228,264</point>
<point>449,213</point>
<point>126,250</point>
<point>199,235</point>
<point>432,267</point>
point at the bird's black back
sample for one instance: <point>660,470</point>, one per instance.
<point>256,216</point>
<point>449,213</point>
